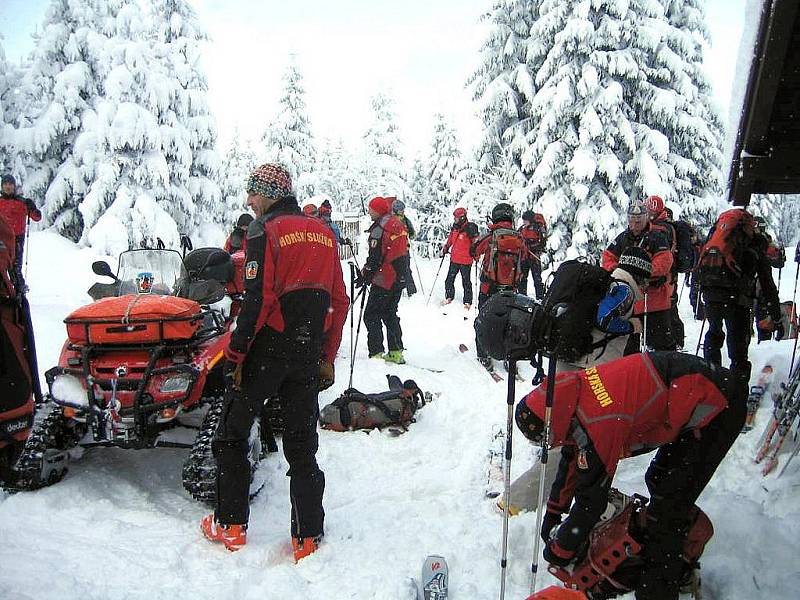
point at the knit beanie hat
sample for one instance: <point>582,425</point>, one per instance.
<point>8,179</point>
<point>244,220</point>
<point>398,206</point>
<point>271,181</point>
<point>325,208</point>
<point>636,261</point>
<point>380,205</point>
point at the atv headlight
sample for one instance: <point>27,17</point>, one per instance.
<point>179,383</point>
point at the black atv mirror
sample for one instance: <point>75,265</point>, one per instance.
<point>100,267</point>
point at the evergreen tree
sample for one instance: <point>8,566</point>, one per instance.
<point>8,83</point>
<point>611,95</point>
<point>237,165</point>
<point>445,165</point>
<point>503,86</point>
<point>782,214</point>
<point>288,139</point>
<point>190,131</point>
<point>382,168</point>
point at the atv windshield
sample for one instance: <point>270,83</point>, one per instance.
<point>151,272</point>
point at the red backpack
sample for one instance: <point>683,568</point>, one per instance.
<point>502,262</point>
<point>722,257</point>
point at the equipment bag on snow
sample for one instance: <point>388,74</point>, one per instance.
<point>722,259</point>
<point>16,383</point>
<point>356,410</point>
<point>611,564</point>
<point>576,289</point>
<point>134,319</point>
<point>502,263</point>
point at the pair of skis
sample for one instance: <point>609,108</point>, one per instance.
<point>490,367</point>
<point>784,413</point>
<point>756,394</point>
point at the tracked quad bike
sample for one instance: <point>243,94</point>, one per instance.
<point>137,361</point>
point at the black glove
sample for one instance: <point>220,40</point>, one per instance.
<point>552,558</point>
<point>364,278</point>
<point>232,376</point>
<point>550,521</point>
<point>347,242</point>
<point>29,204</point>
<point>780,332</point>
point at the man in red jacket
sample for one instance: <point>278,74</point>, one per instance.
<point>385,271</point>
<point>533,231</point>
<point>237,240</point>
<point>458,242</point>
<point>682,405</point>
<point>17,210</point>
<point>654,309</point>
<point>287,334</point>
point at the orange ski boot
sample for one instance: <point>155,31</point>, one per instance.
<point>305,546</point>
<point>233,537</point>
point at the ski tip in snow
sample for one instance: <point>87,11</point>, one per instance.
<point>434,578</point>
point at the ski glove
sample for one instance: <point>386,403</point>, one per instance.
<point>232,375</point>
<point>550,521</point>
<point>326,375</point>
<point>365,278</point>
<point>780,332</point>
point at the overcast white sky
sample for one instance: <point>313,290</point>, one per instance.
<point>420,51</point>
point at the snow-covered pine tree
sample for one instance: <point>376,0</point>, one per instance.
<point>62,83</point>
<point>188,128</point>
<point>8,84</point>
<point>681,107</point>
<point>288,139</point>
<point>237,165</point>
<point>503,87</point>
<point>444,165</point>
<point>382,163</point>
<point>782,213</point>
<point>600,139</point>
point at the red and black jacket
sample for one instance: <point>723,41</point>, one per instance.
<point>659,247</point>
<point>618,409</point>
<point>459,240</point>
<point>236,242</point>
<point>16,210</point>
<point>388,261</point>
<point>294,289</point>
<point>533,235</point>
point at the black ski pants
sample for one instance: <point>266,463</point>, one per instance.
<point>533,267</point>
<point>737,321</point>
<point>466,282</point>
<point>381,309</point>
<point>295,381</point>
<point>676,325</point>
<point>659,333</point>
<point>676,477</point>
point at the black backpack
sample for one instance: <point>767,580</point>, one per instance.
<point>684,253</point>
<point>579,287</point>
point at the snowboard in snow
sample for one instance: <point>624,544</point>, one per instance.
<point>525,488</point>
<point>434,578</point>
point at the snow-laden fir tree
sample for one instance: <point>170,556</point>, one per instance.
<point>601,117</point>
<point>8,84</point>
<point>503,87</point>
<point>782,213</point>
<point>288,139</point>
<point>445,165</point>
<point>188,128</point>
<point>336,177</point>
<point>238,163</point>
<point>381,165</point>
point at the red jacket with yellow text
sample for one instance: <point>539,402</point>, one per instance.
<point>388,260</point>
<point>294,288</point>
<point>659,292</point>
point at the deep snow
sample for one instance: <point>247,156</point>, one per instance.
<point>121,526</point>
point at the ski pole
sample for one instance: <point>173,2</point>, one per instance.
<point>363,293</point>
<point>25,247</point>
<point>416,266</point>
<point>683,285</point>
<point>512,378</point>
<point>435,279</point>
<point>700,337</point>
<point>548,407</point>
<point>352,305</point>
<point>643,338</point>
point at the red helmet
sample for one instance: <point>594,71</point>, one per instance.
<point>654,204</point>
<point>460,213</point>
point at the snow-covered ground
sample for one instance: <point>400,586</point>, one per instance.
<point>121,526</point>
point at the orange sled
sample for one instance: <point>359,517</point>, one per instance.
<point>134,319</point>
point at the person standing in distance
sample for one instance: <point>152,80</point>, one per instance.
<point>287,335</point>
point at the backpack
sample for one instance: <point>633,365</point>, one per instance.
<point>580,287</point>
<point>356,410</point>
<point>684,253</point>
<point>502,263</point>
<point>722,259</point>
